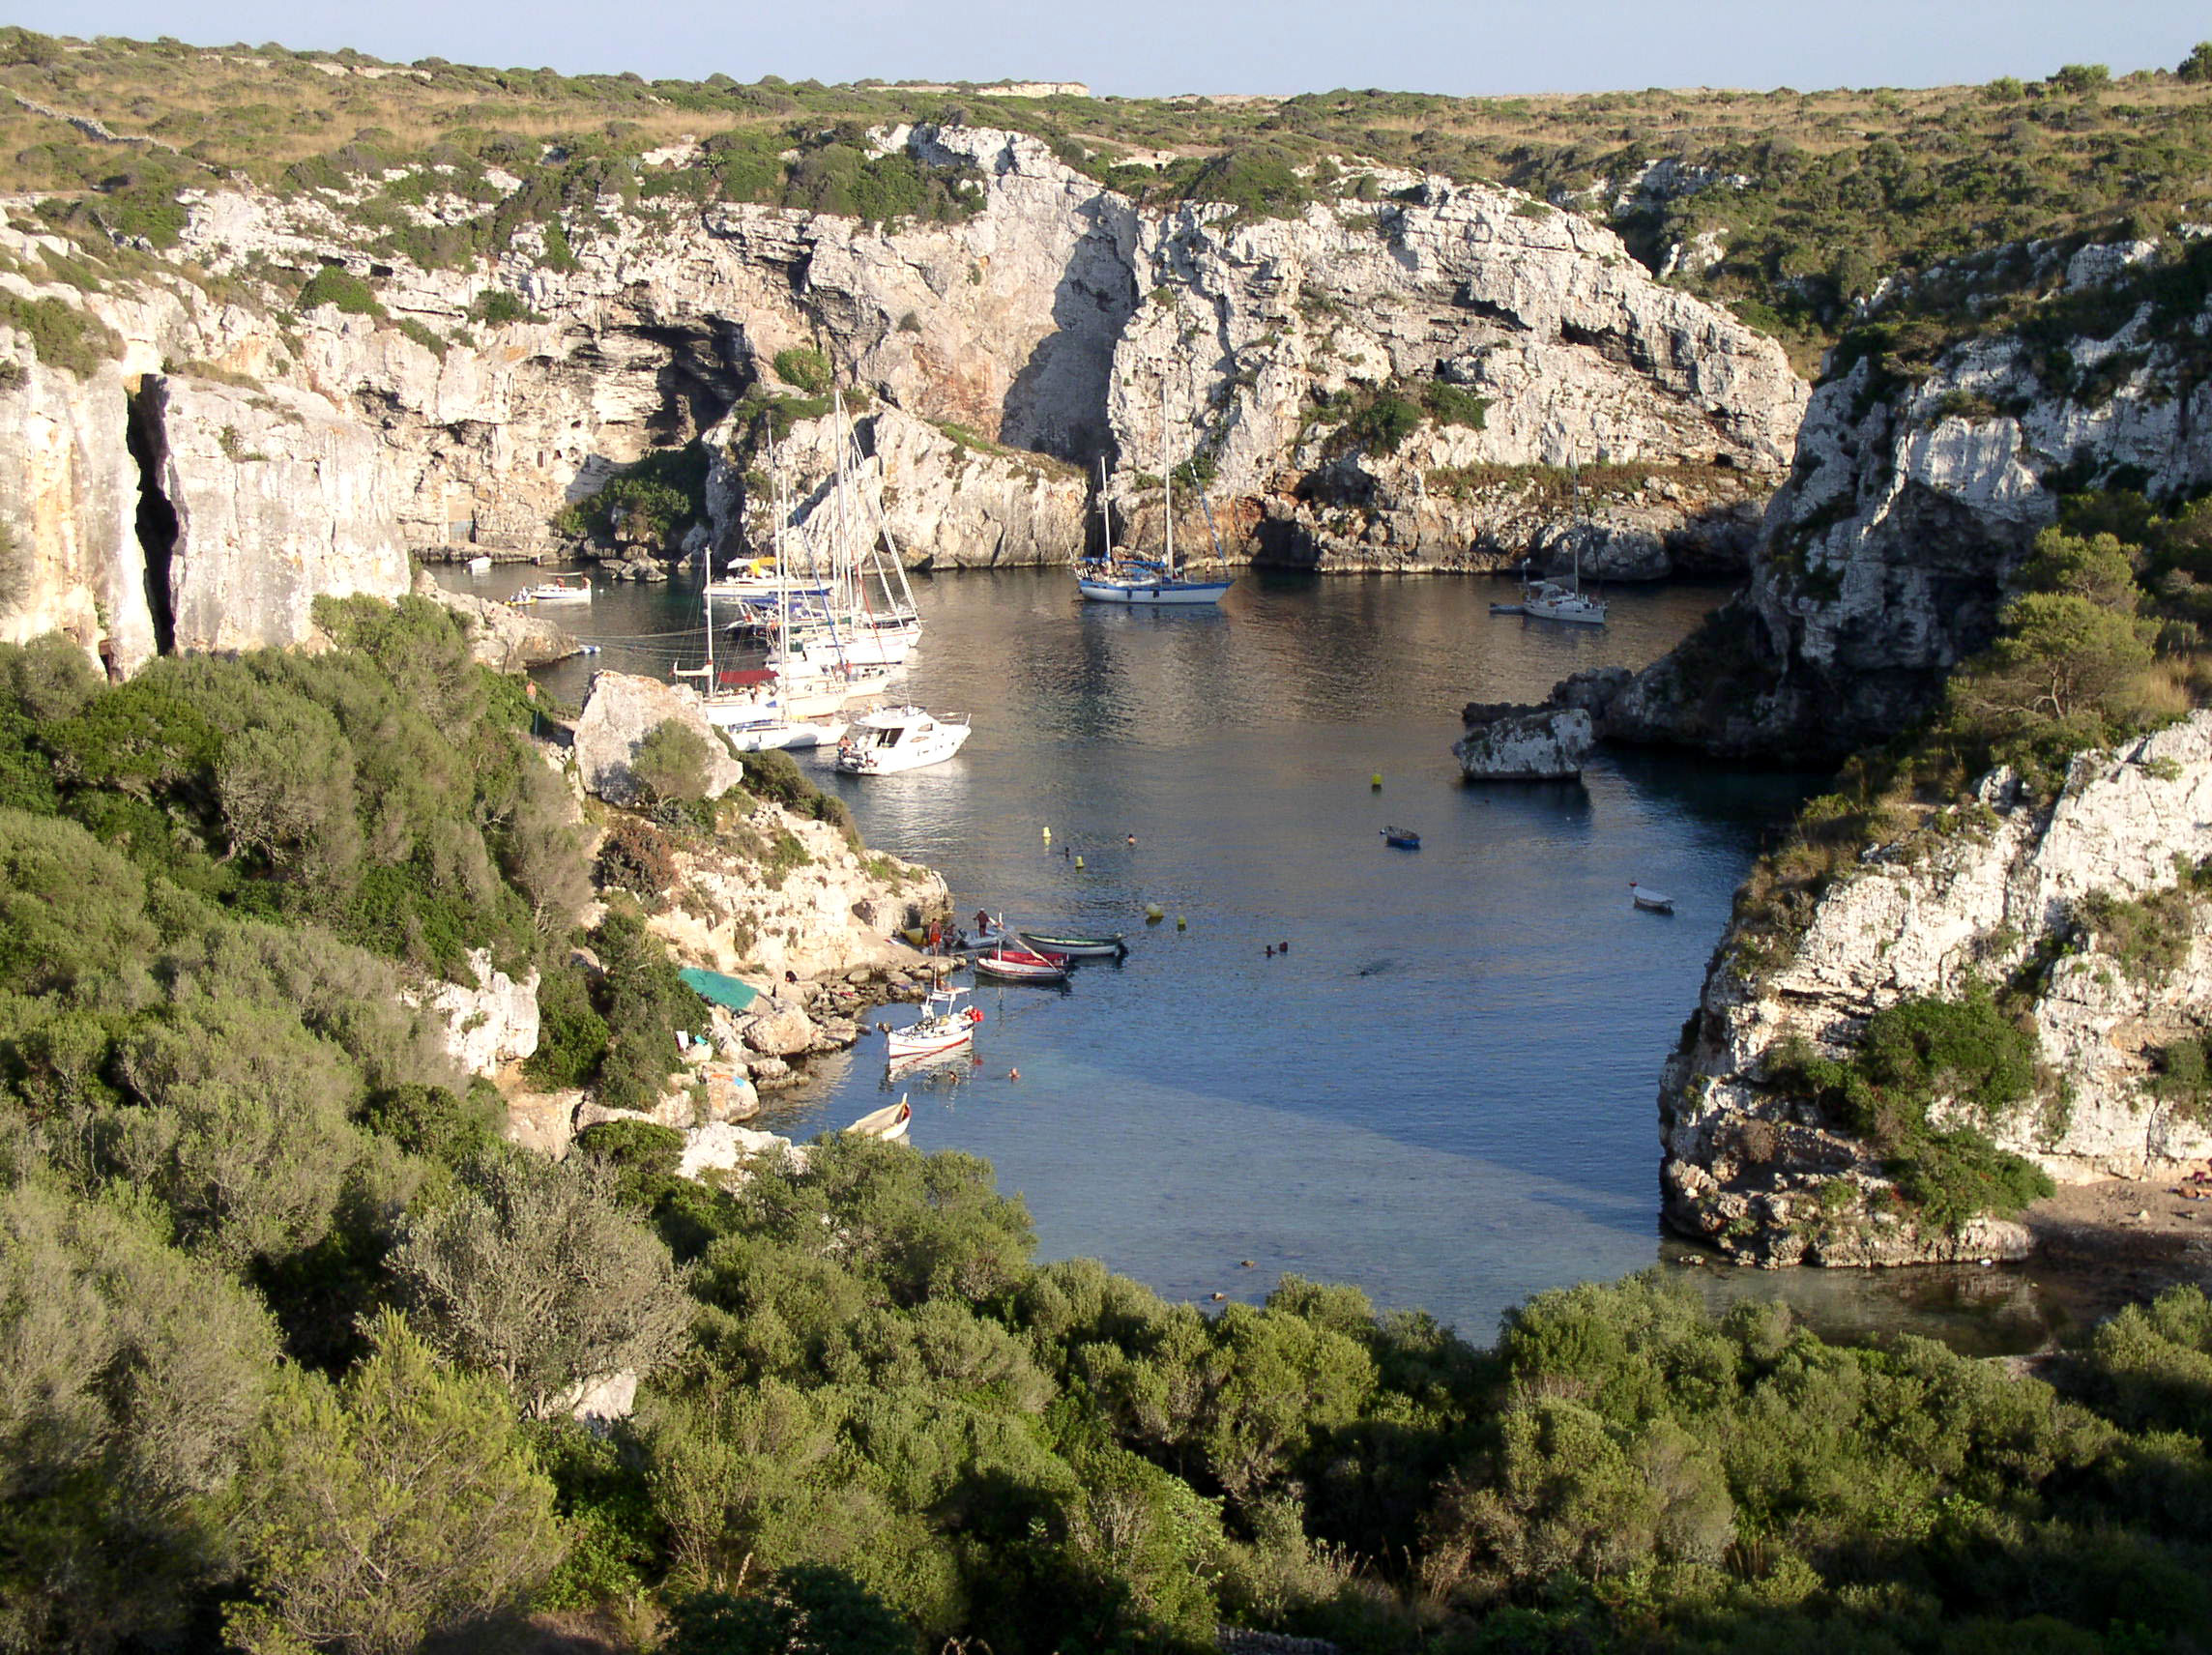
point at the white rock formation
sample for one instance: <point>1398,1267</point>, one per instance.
<point>1538,743</point>
<point>724,1148</point>
<point>1970,899</point>
<point>619,711</point>
<point>1884,560</point>
<point>303,454</point>
<point>491,1023</point>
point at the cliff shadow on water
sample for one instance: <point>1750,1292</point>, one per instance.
<point>148,437</point>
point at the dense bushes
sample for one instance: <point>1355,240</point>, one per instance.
<point>1962,1058</point>
<point>650,503</point>
<point>61,335</point>
<point>335,284</point>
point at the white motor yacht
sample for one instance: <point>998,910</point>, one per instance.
<point>895,738</point>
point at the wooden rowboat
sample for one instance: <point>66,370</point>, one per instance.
<point>1075,947</point>
<point>1020,965</point>
<point>889,1123</point>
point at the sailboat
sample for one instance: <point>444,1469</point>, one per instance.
<point>1113,579</point>
<point>850,628</point>
<point>1548,599</point>
<point>760,711</point>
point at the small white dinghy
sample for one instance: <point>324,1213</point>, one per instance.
<point>889,1123</point>
<point>1649,900</point>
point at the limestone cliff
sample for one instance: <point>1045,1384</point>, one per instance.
<point>2080,910</point>
<point>1884,561</point>
<point>1385,383</point>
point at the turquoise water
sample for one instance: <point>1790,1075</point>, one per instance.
<point>1445,1091</point>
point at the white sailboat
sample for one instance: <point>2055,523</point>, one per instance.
<point>1135,580</point>
<point>758,714</point>
<point>1548,599</point>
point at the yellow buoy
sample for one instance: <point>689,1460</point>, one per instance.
<point>1154,914</point>
<point>1079,861</point>
<point>1374,781</point>
<point>1181,923</point>
<point>1047,836</point>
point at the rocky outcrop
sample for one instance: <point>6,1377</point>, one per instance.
<point>2005,892</point>
<point>1506,742</point>
<point>490,1022</point>
<point>501,636</point>
<point>781,892</point>
<point>999,358</point>
<point>279,498</point>
<point>69,556</point>
<point>619,711</point>
<point>1884,560</point>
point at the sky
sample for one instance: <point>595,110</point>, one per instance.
<point>1156,47</point>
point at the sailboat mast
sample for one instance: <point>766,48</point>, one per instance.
<point>1105,513</point>
<point>1167,477</point>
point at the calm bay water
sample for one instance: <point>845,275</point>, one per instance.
<point>1444,1091</point>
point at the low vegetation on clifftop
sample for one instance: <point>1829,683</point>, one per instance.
<point>1788,205</point>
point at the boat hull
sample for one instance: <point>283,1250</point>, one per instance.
<point>915,1041</point>
<point>1154,594</point>
<point>1075,947</point>
<point>779,736</point>
<point>1019,972</point>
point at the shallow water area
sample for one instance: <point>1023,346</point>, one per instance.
<point>1443,1091</point>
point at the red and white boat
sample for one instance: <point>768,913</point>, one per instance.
<point>1021,965</point>
<point>945,1024</point>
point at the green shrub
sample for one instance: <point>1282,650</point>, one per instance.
<point>497,306</point>
<point>670,764</point>
<point>571,1034</point>
<point>1909,1057</point>
<point>805,367</point>
<point>61,335</point>
<point>432,342</point>
<point>1450,404</point>
<point>1383,422</point>
<point>335,284</point>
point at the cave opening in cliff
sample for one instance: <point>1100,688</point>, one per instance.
<point>148,437</point>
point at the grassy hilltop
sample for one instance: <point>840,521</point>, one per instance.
<point>1813,197</point>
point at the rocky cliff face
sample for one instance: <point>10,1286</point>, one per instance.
<point>1883,560</point>
<point>1000,356</point>
<point>2013,893</point>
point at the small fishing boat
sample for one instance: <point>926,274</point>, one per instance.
<point>1649,900</point>
<point>578,591</point>
<point>1402,838</point>
<point>895,738</point>
<point>1074,947</point>
<point>992,935</point>
<point>944,1023</point>
<point>889,1123</point>
<point>1022,965</point>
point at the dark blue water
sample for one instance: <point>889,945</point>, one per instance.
<point>1444,1091</point>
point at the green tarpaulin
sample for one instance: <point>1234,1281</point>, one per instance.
<point>721,989</point>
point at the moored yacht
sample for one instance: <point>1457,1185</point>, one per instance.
<point>895,738</point>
